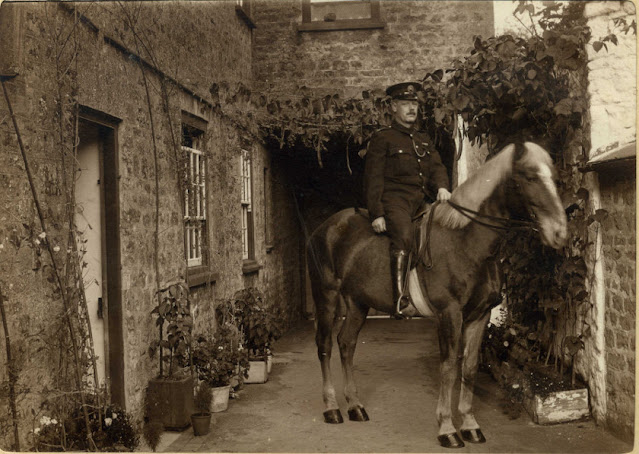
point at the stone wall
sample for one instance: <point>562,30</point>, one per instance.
<point>609,360</point>
<point>619,231</point>
<point>612,105</point>
<point>419,36</point>
<point>98,66</point>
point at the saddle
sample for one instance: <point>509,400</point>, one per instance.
<point>422,222</point>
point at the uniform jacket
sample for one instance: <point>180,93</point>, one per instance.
<point>393,165</point>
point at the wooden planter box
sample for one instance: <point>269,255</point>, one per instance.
<point>552,408</point>
<point>171,402</point>
<point>558,407</point>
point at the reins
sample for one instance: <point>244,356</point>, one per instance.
<point>473,215</point>
<point>506,223</point>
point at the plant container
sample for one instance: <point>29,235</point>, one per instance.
<point>220,401</point>
<point>558,406</point>
<point>170,401</point>
<point>201,423</point>
<point>269,362</point>
<point>258,371</point>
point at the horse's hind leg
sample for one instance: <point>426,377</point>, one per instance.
<point>326,305</point>
<point>347,340</point>
<point>473,332</point>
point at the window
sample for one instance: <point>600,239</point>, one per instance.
<point>324,15</point>
<point>244,8</point>
<point>268,229</point>
<point>194,195</point>
<point>248,252</point>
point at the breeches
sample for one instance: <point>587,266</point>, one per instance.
<point>399,212</point>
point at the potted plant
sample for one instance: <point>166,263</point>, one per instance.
<point>170,394</point>
<point>201,420</point>
<point>260,328</point>
<point>216,361</point>
<point>512,354</point>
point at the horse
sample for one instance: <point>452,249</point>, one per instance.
<point>457,272</point>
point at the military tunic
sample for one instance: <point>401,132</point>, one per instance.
<point>402,170</point>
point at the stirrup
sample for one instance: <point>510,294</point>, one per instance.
<point>398,314</point>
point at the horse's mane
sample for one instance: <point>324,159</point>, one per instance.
<point>477,188</point>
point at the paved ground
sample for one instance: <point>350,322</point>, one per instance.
<point>397,370</point>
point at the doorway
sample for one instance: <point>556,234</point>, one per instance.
<point>97,225</point>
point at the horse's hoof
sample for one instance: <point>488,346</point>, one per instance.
<point>473,435</point>
<point>333,417</point>
<point>450,441</point>
<point>357,414</point>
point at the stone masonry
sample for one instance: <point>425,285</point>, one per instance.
<point>418,37</point>
<point>619,230</point>
<point>610,361</point>
<point>98,65</point>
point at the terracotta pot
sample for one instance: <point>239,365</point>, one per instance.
<point>201,423</point>
<point>220,401</point>
<point>258,372</point>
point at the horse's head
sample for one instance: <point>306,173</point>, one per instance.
<point>534,178</point>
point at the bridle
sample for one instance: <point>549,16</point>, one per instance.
<point>499,223</point>
<point>494,222</point>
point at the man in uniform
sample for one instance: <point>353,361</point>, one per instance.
<point>402,171</point>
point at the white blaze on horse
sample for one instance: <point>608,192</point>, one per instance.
<point>349,263</point>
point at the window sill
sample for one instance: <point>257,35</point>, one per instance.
<point>245,17</point>
<point>250,266</point>
<point>351,24</point>
<point>200,275</point>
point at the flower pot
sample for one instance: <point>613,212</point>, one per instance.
<point>170,401</point>
<point>220,401</point>
<point>258,372</point>
<point>269,362</point>
<point>201,423</point>
<point>558,407</point>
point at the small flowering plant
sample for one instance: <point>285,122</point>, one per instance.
<point>111,429</point>
<point>216,360</point>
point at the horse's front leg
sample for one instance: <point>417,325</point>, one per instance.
<point>473,333</point>
<point>449,331</point>
<point>347,340</point>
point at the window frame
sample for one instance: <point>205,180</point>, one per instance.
<point>197,273</point>
<point>308,25</point>
<point>195,184</point>
<point>249,262</point>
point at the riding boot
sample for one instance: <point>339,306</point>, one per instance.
<point>399,267</point>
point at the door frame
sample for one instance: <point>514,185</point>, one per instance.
<point>107,126</point>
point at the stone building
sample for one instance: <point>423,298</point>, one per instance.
<point>610,174</point>
<point>148,124</point>
<point>147,79</point>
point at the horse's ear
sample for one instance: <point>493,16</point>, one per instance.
<point>520,150</point>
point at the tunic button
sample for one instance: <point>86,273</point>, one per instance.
<point>419,160</point>
<point>420,174</point>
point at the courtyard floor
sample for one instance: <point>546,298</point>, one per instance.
<point>396,366</point>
